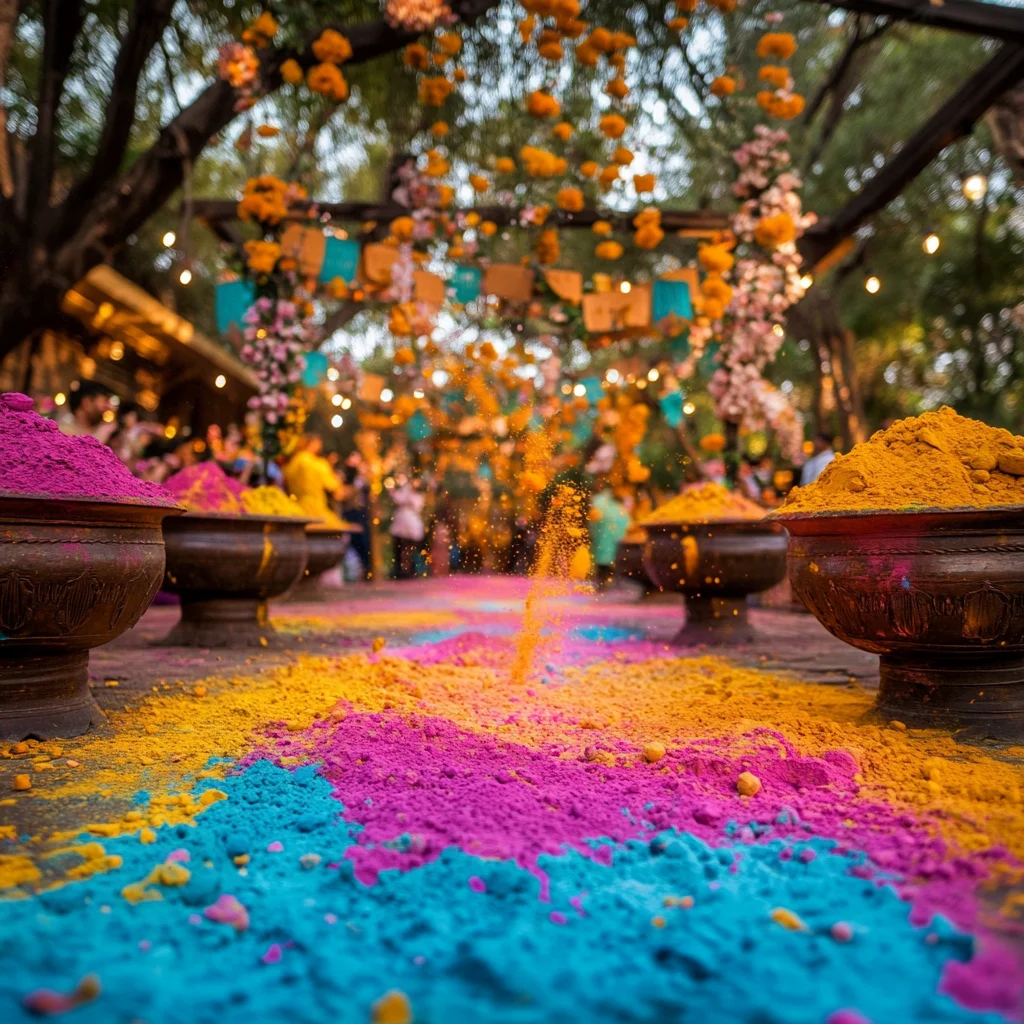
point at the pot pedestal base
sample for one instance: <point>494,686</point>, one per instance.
<point>980,698</point>
<point>715,621</point>
<point>221,622</point>
<point>46,697</point>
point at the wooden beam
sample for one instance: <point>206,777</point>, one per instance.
<point>699,222</point>
<point>954,119</point>
<point>985,19</point>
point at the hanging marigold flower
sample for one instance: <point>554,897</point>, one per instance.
<point>488,228</point>
<point>644,182</point>
<point>261,256</point>
<point>539,163</point>
<point>237,65</point>
<point>261,31</point>
<point>439,129</point>
<point>404,356</point>
<point>608,250</point>
<point>725,6</point>
<point>775,75</point>
<point>723,85</point>
<point>540,214</point>
<point>613,126</point>
<point>434,91</point>
<point>399,324</point>
<point>608,176</point>
<point>542,105</point>
<point>547,250</point>
<point>337,288</point>
<point>445,195</point>
<point>449,43</point>
<point>571,28</point>
<point>264,199</point>
<point>562,130</point>
<point>648,237</point>
<point>328,80</point>
<point>781,45</point>
<point>589,168</point>
<point>570,199</point>
<point>646,217</point>
<point>714,309</point>
<point>618,62</point>
<point>771,232</point>
<point>715,259</point>
<point>505,165</point>
<point>416,57</point>
<point>267,131</point>
<point>601,227</point>
<point>459,74</point>
<point>601,39</point>
<point>716,289</point>
<point>678,24</point>
<point>617,88</point>
<point>332,47</point>
<point>622,156</point>
<point>402,228</point>
<point>437,165</point>
<point>586,55</point>
<point>551,50</point>
<point>526,27</point>
<point>783,107</point>
<point>291,72</point>
<point>479,183</point>
<point>472,219</point>
<point>623,40</point>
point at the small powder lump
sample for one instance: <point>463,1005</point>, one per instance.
<point>207,488</point>
<point>938,460</point>
<point>704,503</point>
<point>39,461</point>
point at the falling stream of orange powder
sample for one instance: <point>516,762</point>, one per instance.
<point>562,556</point>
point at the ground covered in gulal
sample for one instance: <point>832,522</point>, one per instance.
<point>475,801</point>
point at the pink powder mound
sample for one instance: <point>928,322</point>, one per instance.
<point>206,488</point>
<point>37,460</point>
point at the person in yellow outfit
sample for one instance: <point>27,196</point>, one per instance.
<point>310,479</point>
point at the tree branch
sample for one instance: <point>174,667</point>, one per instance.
<point>149,19</point>
<point>62,21</point>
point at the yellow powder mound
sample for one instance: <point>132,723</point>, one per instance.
<point>704,503</point>
<point>270,501</point>
<point>938,460</point>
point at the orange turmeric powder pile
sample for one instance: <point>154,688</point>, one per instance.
<point>704,503</point>
<point>938,460</point>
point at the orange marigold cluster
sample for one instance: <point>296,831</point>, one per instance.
<point>723,85</point>
<point>608,250</point>
<point>547,250</point>
<point>570,199</point>
<point>648,234</point>
<point>332,47</point>
<point>777,105</point>
<point>780,45</point>
<point>771,232</point>
<point>262,257</point>
<point>329,81</point>
<point>434,91</point>
<point>539,163</point>
<point>542,105</point>
<point>264,199</point>
<point>613,126</point>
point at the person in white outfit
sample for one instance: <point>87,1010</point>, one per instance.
<point>407,529</point>
<point>815,465</point>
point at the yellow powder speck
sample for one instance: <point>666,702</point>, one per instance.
<point>22,782</point>
<point>748,784</point>
<point>654,751</point>
<point>392,1008</point>
<point>658,921</point>
<point>780,915</point>
<point>16,869</point>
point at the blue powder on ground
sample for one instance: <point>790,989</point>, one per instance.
<point>495,956</point>
<point>607,634</point>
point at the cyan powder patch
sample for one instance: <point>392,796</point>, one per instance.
<point>607,634</point>
<point>663,930</point>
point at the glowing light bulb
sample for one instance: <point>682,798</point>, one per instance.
<point>625,287</point>
<point>346,403</point>
<point>974,187</point>
<point>336,420</point>
<point>579,390</point>
<point>653,374</point>
<point>169,238</point>
<point>60,398</point>
<point>417,393</point>
<point>872,285</point>
<point>336,399</point>
<point>806,281</point>
<point>332,373</point>
<point>220,380</point>
<point>612,376</point>
<point>931,244</point>
<point>689,409</point>
<point>185,277</point>
<point>386,395</point>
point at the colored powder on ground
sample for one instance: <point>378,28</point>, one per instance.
<point>704,503</point>
<point>205,487</point>
<point>493,952</point>
<point>938,460</point>
<point>270,501</point>
<point>39,461</point>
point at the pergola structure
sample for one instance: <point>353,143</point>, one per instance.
<point>827,242</point>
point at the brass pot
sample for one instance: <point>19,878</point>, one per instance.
<point>939,595</point>
<point>715,566</point>
<point>73,575</point>
<point>225,568</point>
<point>327,546</point>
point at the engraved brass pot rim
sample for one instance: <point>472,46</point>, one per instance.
<point>944,518</point>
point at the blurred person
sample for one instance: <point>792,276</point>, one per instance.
<point>609,521</point>
<point>309,478</point>
<point>746,480</point>
<point>407,529</point>
<point>132,435</point>
<point>823,455</point>
<point>89,404</point>
<point>355,511</point>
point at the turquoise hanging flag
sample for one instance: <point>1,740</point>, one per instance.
<point>418,427</point>
<point>231,300</point>
<point>672,407</point>
<point>341,259</point>
<point>671,298</point>
<point>465,284</point>
<point>679,346</point>
<point>316,368</point>
<point>707,364</point>
<point>594,389</point>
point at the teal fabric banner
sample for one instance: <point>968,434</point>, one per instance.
<point>231,300</point>
<point>465,284</point>
<point>671,298</point>
<point>341,259</point>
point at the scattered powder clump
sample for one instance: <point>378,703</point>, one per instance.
<point>938,460</point>
<point>207,488</point>
<point>271,501</point>
<point>704,503</point>
<point>39,461</point>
